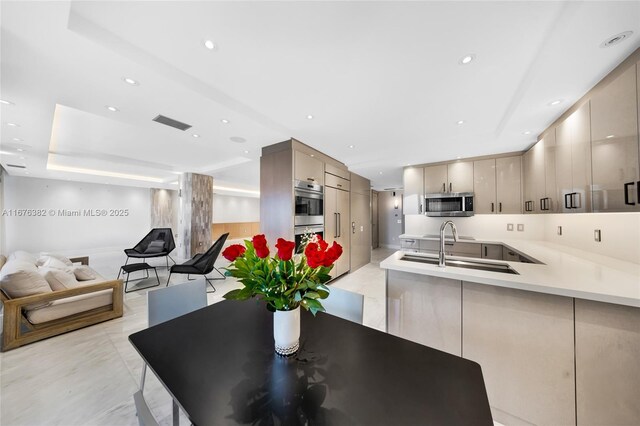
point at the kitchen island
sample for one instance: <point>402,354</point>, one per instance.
<point>558,341</point>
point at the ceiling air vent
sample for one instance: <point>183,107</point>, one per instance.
<point>171,122</point>
<point>17,166</point>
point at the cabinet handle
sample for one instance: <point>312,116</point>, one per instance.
<point>444,187</point>
<point>485,251</point>
<point>339,185</point>
<point>638,195</point>
<point>353,227</point>
<point>579,203</point>
<point>311,179</point>
<point>335,232</point>
<point>542,204</point>
<point>499,207</point>
<point>566,201</point>
<point>626,193</point>
<point>420,206</point>
<point>450,187</point>
<point>492,208</point>
<point>339,225</point>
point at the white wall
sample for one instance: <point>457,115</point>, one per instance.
<point>620,231</point>
<point>388,216</point>
<point>229,208</point>
<point>73,235</point>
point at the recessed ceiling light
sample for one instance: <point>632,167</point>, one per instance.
<point>13,125</point>
<point>380,173</point>
<point>17,139</point>
<point>112,108</point>
<point>312,155</point>
<point>130,81</point>
<point>556,102</point>
<point>467,59</point>
<point>3,102</point>
<point>246,151</point>
<point>225,121</point>
<point>22,158</point>
<point>610,136</point>
<point>408,164</point>
<point>526,132</point>
<point>309,117</point>
<point>352,146</point>
<point>459,122</point>
<point>237,139</point>
<point>20,150</point>
<point>210,45</point>
<point>618,38</point>
<point>458,158</point>
<point>195,135</point>
<point>26,173</point>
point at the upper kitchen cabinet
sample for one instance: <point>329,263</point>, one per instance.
<point>460,176</point>
<point>484,185</point>
<point>509,184</point>
<point>550,202</point>
<point>614,135</point>
<point>533,170</point>
<point>435,179</point>
<point>307,168</point>
<point>453,177</point>
<point>573,161</point>
<point>412,199</point>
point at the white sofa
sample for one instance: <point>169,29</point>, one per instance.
<point>43,297</point>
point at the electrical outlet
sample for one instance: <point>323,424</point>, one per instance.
<point>597,235</point>
<point>559,230</point>
<point>399,220</point>
<point>362,229</point>
<point>509,226</point>
<point>520,227</point>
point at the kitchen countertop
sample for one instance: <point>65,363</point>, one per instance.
<point>564,272</point>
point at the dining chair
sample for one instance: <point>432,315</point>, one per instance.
<point>163,305</point>
<point>344,304</point>
<point>145,416</point>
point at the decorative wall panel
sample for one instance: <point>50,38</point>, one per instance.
<point>163,209</point>
<point>196,214</point>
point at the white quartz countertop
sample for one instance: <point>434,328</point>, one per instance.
<point>564,271</point>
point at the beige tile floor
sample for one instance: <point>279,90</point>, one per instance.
<point>88,377</point>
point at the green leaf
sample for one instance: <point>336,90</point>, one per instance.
<point>236,295</point>
<point>312,304</point>
<point>323,294</point>
<point>297,297</point>
<point>311,295</point>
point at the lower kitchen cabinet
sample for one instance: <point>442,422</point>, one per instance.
<point>492,251</point>
<point>524,343</point>
<point>425,309</point>
<point>607,363</point>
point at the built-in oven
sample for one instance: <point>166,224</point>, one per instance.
<point>309,204</point>
<point>301,231</point>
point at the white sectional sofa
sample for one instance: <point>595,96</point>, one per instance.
<point>48,295</point>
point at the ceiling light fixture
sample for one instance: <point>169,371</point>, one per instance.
<point>111,108</point>
<point>226,188</point>
<point>458,158</point>
<point>103,173</point>
<point>3,102</point>
<point>13,125</point>
<point>225,121</point>
<point>195,135</point>
<point>246,151</point>
<point>556,102</point>
<point>26,173</point>
<point>379,173</point>
<point>352,146</point>
<point>610,136</point>
<point>210,45</point>
<point>22,158</point>
<point>309,117</point>
<point>17,139</point>
<point>130,81</point>
<point>616,39</point>
<point>467,59</point>
<point>526,132</point>
<point>237,139</point>
<point>459,122</point>
<point>20,150</point>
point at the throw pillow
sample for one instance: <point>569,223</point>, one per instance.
<point>20,278</point>
<point>50,262</point>
<point>84,273</point>
<point>22,255</point>
<point>58,279</point>
<point>156,246</point>
<point>44,256</point>
<point>3,260</point>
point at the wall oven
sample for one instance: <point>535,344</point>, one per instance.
<point>449,204</point>
<point>309,199</point>
<point>299,232</point>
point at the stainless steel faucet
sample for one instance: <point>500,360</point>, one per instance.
<point>441,258</point>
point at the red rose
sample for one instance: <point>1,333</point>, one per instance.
<point>334,252</point>
<point>260,245</point>
<point>315,257</point>
<point>234,251</point>
<point>322,243</point>
<point>285,249</point>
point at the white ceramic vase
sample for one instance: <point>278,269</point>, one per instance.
<point>286,331</point>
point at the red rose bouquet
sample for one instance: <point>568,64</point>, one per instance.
<point>286,280</point>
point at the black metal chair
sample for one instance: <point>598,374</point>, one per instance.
<point>202,263</point>
<point>157,243</point>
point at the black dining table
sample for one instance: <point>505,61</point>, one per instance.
<point>219,365</point>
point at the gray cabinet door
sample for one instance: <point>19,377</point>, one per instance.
<point>528,174</point>
<point>412,198</point>
<point>344,231</point>
<point>308,168</point>
<point>614,132</point>
<point>492,251</point>
<point>509,184</point>
<point>551,203</point>
<point>564,183</point>
<point>484,186</point>
<point>435,179</point>
<point>460,176</point>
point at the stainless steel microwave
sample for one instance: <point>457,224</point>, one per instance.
<point>457,204</point>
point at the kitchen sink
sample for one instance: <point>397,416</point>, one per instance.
<point>481,266</point>
<point>449,237</point>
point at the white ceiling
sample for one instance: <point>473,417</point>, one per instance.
<point>383,76</point>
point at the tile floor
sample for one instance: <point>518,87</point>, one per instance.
<point>88,377</point>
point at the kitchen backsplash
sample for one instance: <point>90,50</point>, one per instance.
<point>620,232</point>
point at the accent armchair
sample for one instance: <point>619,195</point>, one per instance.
<point>202,263</point>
